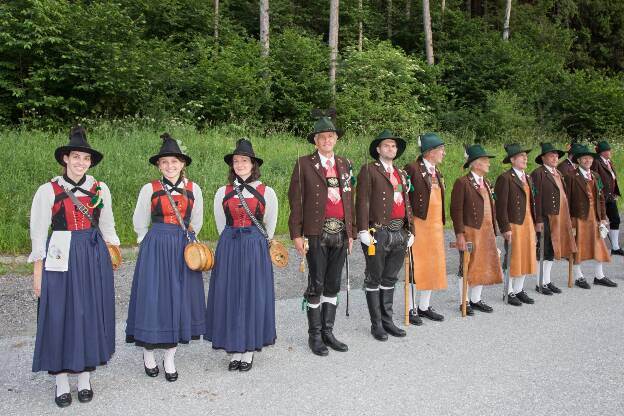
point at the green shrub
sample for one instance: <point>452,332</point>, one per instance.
<point>378,88</point>
<point>299,80</point>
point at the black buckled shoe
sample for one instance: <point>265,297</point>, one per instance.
<point>469,310</point>
<point>582,283</point>
<point>618,252</point>
<point>386,297</point>
<point>328,311</point>
<point>170,376</point>
<point>481,306</point>
<point>414,319</point>
<point>605,281</point>
<point>374,310</point>
<point>151,372</point>
<point>234,365</point>
<point>314,332</point>
<point>63,400</point>
<point>431,314</point>
<point>545,290</point>
<point>553,288</point>
<point>513,300</point>
<point>524,298</point>
<point>85,395</point>
<point>245,366</point>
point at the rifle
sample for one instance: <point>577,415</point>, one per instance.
<point>506,269</point>
<point>540,280</point>
<point>464,261</point>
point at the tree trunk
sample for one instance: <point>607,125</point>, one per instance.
<point>408,9</point>
<point>428,34</point>
<point>389,22</point>
<point>507,17</point>
<point>333,45</point>
<point>443,7</point>
<point>469,7</point>
<point>216,19</point>
<point>264,27</point>
<point>360,26</point>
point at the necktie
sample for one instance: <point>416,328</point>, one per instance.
<point>333,193</point>
<point>398,196</point>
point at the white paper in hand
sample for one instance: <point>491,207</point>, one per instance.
<point>57,258</point>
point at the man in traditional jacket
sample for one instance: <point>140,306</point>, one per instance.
<point>568,166</point>
<point>383,216</point>
<point>427,200</point>
<point>321,210</point>
<point>603,166</point>
<point>515,214</point>
<point>552,210</point>
<point>589,218</point>
<point>473,214</point>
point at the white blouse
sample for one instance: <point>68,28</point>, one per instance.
<point>270,210</point>
<point>142,217</point>
<point>41,215</point>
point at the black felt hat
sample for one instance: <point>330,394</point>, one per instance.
<point>602,146</point>
<point>243,148</point>
<point>387,135</point>
<point>170,147</point>
<point>474,152</point>
<point>512,150</point>
<point>581,151</point>
<point>548,148</point>
<point>78,142</point>
<point>322,125</point>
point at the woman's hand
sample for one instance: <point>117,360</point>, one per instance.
<point>37,273</point>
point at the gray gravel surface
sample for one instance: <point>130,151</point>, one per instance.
<point>561,356</point>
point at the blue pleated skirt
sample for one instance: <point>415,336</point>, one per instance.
<point>240,316</point>
<point>167,301</point>
<point>76,319</point>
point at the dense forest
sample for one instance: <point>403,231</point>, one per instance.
<point>494,68</point>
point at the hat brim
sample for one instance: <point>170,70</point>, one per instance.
<point>339,133</point>
<point>96,156</point>
<point>576,156</point>
<point>507,158</point>
<point>470,160</point>
<point>423,151</point>
<point>560,154</point>
<point>154,159</point>
<point>602,149</point>
<point>400,142</point>
<point>228,158</point>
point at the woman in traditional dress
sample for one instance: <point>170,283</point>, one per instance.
<point>167,302</point>
<point>240,317</point>
<point>73,273</point>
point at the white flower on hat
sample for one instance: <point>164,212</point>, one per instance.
<point>182,147</point>
<point>419,142</point>
<point>465,154</point>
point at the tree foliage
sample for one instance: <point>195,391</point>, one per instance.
<point>63,60</point>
